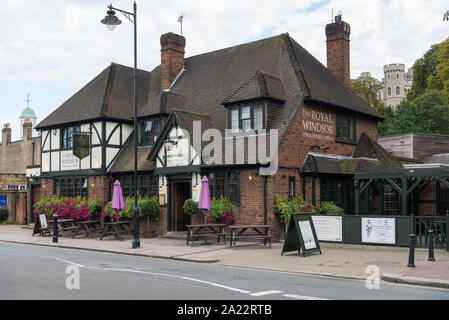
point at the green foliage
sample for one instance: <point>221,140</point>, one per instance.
<point>47,205</point>
<point>191,207</point>
<point>3,214</point>
<point>294,205</point>
<point>148,207</point>
<point>422,70</point>
<point>367,87</point>
<point>331,209</point>
<point>217,208</point>
<point>428,113</point>
<point>440,80</point>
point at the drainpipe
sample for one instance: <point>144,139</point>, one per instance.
<point>32,153</point>
<point>265,199</point>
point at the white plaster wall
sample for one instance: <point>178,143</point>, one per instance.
<point>55,139</point>
<point>110,154</point>
<point>95,139</point>
<point>45,162</point>
<point>55,161</point>
<point>96,158</point>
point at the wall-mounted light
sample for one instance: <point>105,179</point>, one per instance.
<point>169,144</point>
<point>252,175</point>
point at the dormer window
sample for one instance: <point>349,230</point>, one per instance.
<point>246,118</point>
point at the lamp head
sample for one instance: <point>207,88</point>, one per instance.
<point>111,20</point>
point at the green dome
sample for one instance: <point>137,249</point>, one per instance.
<point>28,113</point>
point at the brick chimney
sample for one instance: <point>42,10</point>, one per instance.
<point>338,51</point>
<point>6,134</point>
<point>172,58</point>
<point>27,129</point>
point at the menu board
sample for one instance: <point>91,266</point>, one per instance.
<point>329,228</point>
<point>379,230</point>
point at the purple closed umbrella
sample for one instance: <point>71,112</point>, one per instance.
<point>118,203</point>
<point>204,203</point>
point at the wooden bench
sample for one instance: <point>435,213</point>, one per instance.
<point>63,225</point>
<point>251,232</point>
<point>117,228</point>
<point>88,228</point>
<point>198,230</point>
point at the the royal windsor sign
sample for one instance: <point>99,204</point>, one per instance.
<point>318,125</point>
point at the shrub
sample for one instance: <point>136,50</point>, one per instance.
<point>148,207</point>
<point>68,208</point>
<point>3,214</point>
<point>294,205</point>
<point>331,209</point>
<point>191,207</point>
<point>218,208</point>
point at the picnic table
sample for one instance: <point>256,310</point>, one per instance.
<point>251,232</point>
<point>117,228</point>
<point>88,227</point>
<point>204,230</point>
<point>63,225</point>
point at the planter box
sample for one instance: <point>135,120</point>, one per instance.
<point>149,234</point>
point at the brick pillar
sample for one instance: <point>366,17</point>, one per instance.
<point>172,58</point>
<point>338,50</point>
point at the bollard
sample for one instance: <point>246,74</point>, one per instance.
<point>431,246</point>
<point>411,257</point>
<point>55,228</point>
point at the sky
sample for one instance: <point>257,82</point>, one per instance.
<point>52,48</point>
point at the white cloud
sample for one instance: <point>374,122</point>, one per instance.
<point>54,42</point>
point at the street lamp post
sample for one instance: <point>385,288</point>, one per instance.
<point>111,21</point>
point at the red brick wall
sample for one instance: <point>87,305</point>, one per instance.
<point>99,187</point>
<point>338,51</point>
<point>172,58</point>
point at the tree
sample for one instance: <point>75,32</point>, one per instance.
<point>440,81</point>
<point>422,69</point>
<point>428,113</point>
<point>367,87</point>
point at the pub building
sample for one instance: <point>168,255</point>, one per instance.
<point>326,133</point>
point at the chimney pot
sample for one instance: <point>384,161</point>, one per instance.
<point>6,134</point>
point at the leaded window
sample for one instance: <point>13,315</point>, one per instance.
<point>346,127</point>
<point>67,136</point>
<point>225,184</point>
<point>150,130</point>
<point>246,118</point>
<point>147,185</point>
<point>70,187</point>
<point>339,191</point>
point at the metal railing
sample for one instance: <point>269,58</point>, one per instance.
<point>438,224</point>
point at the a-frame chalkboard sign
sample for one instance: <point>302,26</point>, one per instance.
<point>301,234</point>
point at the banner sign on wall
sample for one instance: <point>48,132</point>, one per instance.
<point>81,144</point>
<point>329,228</point>
<point>3,200</point>
<point>379,230</point>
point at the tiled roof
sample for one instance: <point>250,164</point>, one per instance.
<point>109,95</point>
<point>367,156</point>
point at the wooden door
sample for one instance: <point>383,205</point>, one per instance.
<point>181,192</point>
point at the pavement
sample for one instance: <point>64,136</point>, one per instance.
<point>336,261</point>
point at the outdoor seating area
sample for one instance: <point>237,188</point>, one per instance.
<point>250,232</point>
<point>88,228</point>
<point>195,231</point>
<point>244,232</point>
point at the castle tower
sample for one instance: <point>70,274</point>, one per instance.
<point>395,89</point>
